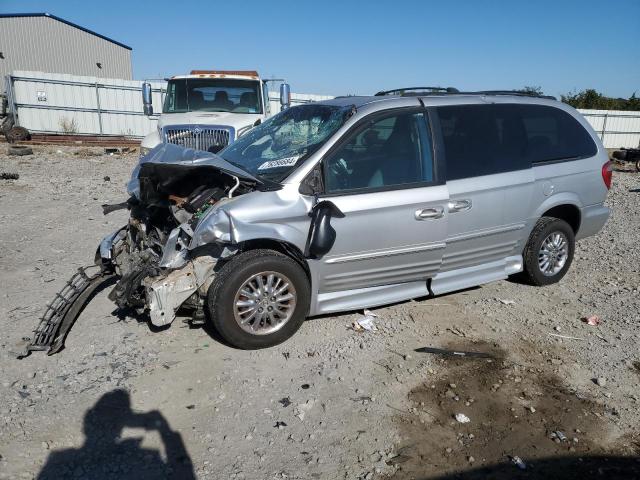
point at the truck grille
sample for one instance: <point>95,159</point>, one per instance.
<point>198,138</point>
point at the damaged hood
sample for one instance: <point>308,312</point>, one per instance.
<point>168,153</point>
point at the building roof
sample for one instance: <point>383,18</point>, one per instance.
<point>10,15</point>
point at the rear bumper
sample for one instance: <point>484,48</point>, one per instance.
<point>593,219</point>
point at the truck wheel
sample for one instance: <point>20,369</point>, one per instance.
<point>549,251</point>
<point>258,299</point>
<point>638,165</point>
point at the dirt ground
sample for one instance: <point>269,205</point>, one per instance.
<point>551,397</point>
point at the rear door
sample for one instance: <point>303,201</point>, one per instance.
<point>490,183</point>
<point>382,176</point>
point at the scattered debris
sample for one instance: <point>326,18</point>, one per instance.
<point>462,418</point>
<point>305,386</point>
<point>457,331</point>
<point>518,462</point>
<point>286,355</point>
<point>558,435</point>
<point>107,178</point>
<point>593,320</point>
<point>566,336</point>
<point>506,302</point>
<point>190,407</point>
<point>285,402</point>
<point>365,323</point>
<point>9,176</point>
<point>453,353</point>
<point>280,425</point>
<point>600,381</point>
<point>118,150</point>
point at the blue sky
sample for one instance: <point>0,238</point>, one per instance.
<point>342,47</point>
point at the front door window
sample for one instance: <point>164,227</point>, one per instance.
<point>391,151</point>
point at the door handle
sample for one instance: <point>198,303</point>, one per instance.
<point>460,206</point>
<point>429,213</point>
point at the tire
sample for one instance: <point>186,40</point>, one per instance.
<point>226,288</point>
<point>638,165</point>
<point>543,230</point>
<point>19,150</point>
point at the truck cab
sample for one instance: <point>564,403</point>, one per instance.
<point>209,109</point>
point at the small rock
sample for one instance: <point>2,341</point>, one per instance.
<point>462,418</point>
<point>601,381</point>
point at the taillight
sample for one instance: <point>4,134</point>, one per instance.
<point>607,174</point>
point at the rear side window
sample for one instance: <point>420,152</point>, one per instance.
<point>489,139</point>
<point>553,134</point>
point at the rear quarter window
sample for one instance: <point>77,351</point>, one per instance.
<point>553,135</point>
<point>489,139</point>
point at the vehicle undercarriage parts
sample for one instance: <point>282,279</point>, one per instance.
<point>322,235</point>
<point>63,311</point>
<point>129,292</point>
<point>166,293</point>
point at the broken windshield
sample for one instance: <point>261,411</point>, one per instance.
<point>273,149</point>
<point>212,95</point>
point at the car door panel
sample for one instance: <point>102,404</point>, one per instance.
<point>380,241</point>
<point>382,178</point>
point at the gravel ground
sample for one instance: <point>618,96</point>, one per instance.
<point>123,401</point>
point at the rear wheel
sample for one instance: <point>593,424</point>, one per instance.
<point>549,251</point>
<point>258,299</point>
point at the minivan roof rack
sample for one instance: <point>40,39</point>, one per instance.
<point>519,93</point>
<point>425,91</point>
<point>412,91</point>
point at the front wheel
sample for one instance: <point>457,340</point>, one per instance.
<point>258,299</point>
<point>549,251</point>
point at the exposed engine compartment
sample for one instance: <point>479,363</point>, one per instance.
<point>172,189</point>
<point>172,199</point>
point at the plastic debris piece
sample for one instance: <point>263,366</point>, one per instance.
<point>518,462</point>
<point>453,353</point>
<point>9,176</point>
<point>559,435</point>
<point>506,302</point>
<point>365,323</point>
<point>593,320</point>
<point>462,418</point>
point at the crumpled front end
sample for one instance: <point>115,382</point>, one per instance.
<point>159,269</point>
<point>158,266</point>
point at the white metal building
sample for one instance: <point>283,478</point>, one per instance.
<point>46,43</point>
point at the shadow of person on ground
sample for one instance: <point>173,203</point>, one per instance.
<point>105,455</point>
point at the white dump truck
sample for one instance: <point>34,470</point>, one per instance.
<point>208,109</point>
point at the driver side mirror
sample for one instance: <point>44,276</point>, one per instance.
<point>147,102</point>
<point>285,96</point>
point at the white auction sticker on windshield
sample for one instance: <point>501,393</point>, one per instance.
<point>281,162</point>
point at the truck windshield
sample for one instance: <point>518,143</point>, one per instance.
<point>212,95</point>
<point>273,149</point>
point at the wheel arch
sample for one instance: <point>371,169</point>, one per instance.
<point>568,212</point>
<point>565,206</point>
<point>283,247</point>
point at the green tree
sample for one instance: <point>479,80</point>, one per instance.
<point>532,90</point>
<point>592,99</point>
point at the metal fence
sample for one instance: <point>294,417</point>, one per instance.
<point>60,103</point>
<point>616,128</point>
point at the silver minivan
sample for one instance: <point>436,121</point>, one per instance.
<point>351,203</point>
